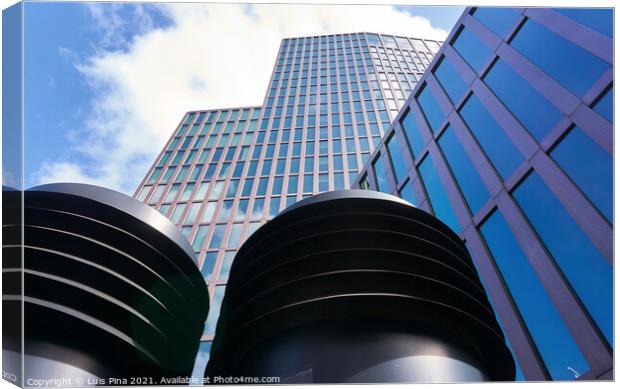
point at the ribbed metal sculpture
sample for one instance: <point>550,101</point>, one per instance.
<point>357,286</point>
<point>111,289</point>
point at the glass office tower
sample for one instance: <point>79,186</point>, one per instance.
<point>508,139</point>
<point>224,173</point>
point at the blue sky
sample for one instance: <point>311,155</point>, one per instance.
<point>105,84</point>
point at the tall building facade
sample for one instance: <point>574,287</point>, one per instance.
<point>224,173</point>
<point>508,139</point>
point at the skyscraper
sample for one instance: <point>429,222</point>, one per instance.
<point>508,139</point>
<point>225,172</point>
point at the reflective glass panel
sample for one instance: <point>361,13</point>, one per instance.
<point>553,340</point>
<point>229,256</point>
<point>407,193</point>
<point>497,19</point>
<point>218,235</point>
<point>598,19</point>
<point>437,195</point>
<point>472,49</point>
<point>430,107</point>
<point>572,66</point>
<point>208,264</point>
<point>214,310</point>
<point>585,268</point>
<point>383,183</point>
<point>199,239</point>
<point>468,179</point>
<point>450,80</point>
<point>416,141</point>
<point>396,155</point>
<point>498,147</point>
<point>605,106</point>
<point>589,166</point>
<point>531,108</point>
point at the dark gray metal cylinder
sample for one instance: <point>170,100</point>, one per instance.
<point>111,289</point>
<point>357,286</point>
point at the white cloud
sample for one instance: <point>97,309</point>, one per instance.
<point>213,56</point>
<point>67,172</point>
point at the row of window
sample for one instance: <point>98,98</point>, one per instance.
<point>320,137</point>
<point>248,187</point>
<point>220,116</point>
<point>403,43</point>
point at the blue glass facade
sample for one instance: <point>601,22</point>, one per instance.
<point>510,137</point>
<point>226,172</point>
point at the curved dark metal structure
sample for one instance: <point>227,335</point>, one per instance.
<point>111,289</point>
<point>357,286</point>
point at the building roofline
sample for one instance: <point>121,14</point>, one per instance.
<point>223,109</point>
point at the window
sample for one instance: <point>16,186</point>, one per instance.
<point>202,191</point>
<point>218,188</point>
<point>433,113</point>
<point>257,212</point>
<point>187,192</point>
<point>573,67</point>
<point>207,216</point>
<point>396,155</point>
<point>589,166</point>
<point>468,179</point>
<point>176,215</point>
<point>527,104</point>
<point>323,164</point>
<point>144,192</point>
<point>497,19</point>
<point>587,271</point>
<point>235,236</point>
<point>252,227</point>
<point>308,183</point>
<point>292,185</point>
<point>172,193</point>
<point>413,133</point>
<point>553,340</point>
<point>323,182</point>
<point>373,39</point>
<point>229,256</point>
<point>262,186</point>
<point>309,165</point>
<point>199,239</point>
<point>498,147</point>
<point>407,193</point>
<point>242,210</point>
<point>437,194</point>
<point>277,185</point>
<point>208,264</point>
<point>159,191</point>
<point>193,213</point>
<point>605,106</point>
<point>598,19</point>
<point>294,167</point>
<point>472,49</point>
<point>155,175</point>
<point>214,310</point>
<point>381,175</point>
<point>218,235</point>
<point>225,211</point>
<point>338,181</point>
<point>247,187</point>
<point>450,80</point>
<point>274,206</point>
